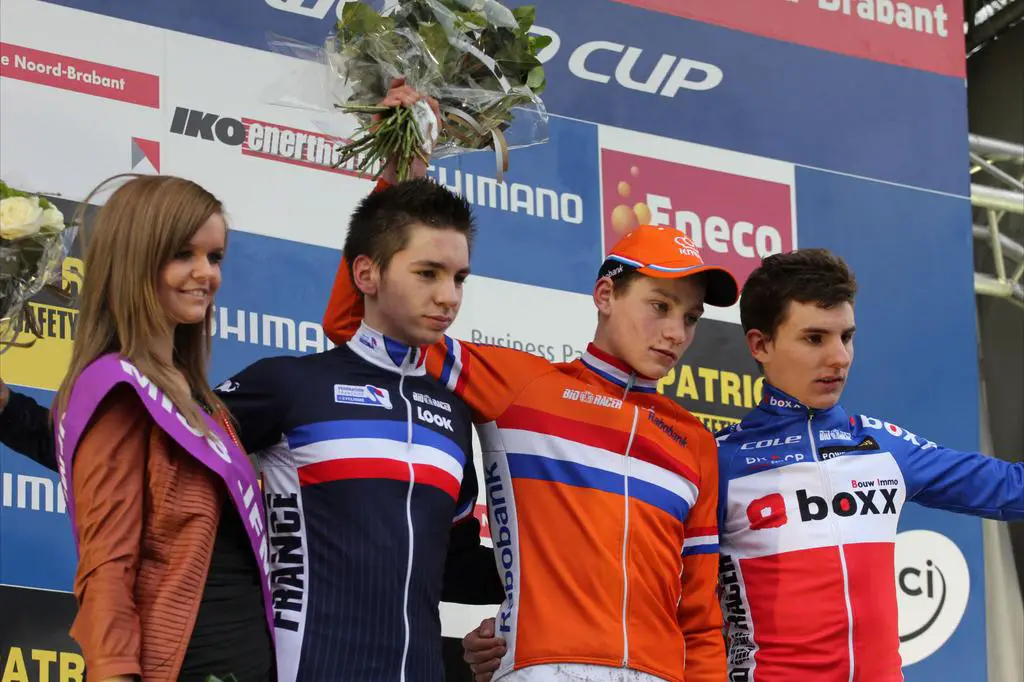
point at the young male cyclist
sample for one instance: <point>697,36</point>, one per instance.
<point>811,496</point>
<point>601,493</point>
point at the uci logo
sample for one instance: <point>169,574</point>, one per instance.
<point>932,589</point>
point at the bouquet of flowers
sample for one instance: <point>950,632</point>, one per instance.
<point>477,58</point>
<point>33,242</point>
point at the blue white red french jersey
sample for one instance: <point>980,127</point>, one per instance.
<point>366,466</point>
<point>809,506</point>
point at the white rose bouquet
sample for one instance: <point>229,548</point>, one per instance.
<point>33,241</point>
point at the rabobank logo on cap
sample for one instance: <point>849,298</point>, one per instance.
<point>362,395</point>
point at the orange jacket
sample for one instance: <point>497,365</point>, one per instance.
<point>147,520</point>
<point>602,499</point>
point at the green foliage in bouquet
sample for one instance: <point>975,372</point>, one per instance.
<point>467,54</point>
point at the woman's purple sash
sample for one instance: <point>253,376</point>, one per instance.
<point>216,452</point>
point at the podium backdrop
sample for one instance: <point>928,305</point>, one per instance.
<point>755,125</point>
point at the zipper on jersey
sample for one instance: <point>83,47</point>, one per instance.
<point>625,541</point>
<point>408,519</point>
<point>838,540</point>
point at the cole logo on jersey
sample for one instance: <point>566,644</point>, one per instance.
<point>362,395</point>
<point>770,442</point>
<point>774,459</point>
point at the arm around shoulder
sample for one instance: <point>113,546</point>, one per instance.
<point>700,615</point>
<point>108,479</point>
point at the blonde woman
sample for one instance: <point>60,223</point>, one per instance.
<point>166,510</point>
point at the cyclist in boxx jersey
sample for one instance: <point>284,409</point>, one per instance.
<point>811,496</point>
<point>602,494</point>
<point>366,459</point>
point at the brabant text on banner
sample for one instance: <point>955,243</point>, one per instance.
<point>79,75</point>
<point>922,34</point>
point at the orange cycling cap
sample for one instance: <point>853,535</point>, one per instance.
<point>668,253</point>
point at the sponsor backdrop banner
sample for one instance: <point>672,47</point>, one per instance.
<point>755,126</point>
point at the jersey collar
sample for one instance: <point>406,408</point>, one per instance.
<point>777,402</point>
<point>616,371</point>
<point>387,353</point>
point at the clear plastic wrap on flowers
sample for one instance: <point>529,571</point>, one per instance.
<point>33,243</point>
<point>475,57</point>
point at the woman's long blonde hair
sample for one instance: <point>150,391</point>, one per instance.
<point>143,224</point>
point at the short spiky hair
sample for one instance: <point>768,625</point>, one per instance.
<point>805,275</point>
<point>379,228</point>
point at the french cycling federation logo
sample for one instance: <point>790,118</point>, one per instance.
<point>362,395</point>
<point>932,588</point>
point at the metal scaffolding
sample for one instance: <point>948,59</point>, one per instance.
<point>1001,163</point>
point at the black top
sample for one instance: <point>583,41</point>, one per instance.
<point>230,635</point>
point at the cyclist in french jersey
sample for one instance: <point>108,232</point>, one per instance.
<point>367,459</point>
<point>602,494</point>
<point>811,496</point>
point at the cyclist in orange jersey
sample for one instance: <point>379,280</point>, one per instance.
<point>602,494</point>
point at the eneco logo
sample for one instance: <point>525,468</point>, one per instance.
<point>733,220</point>
<point>932,588</point>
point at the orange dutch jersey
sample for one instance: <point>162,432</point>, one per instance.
<point>601,496</point>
